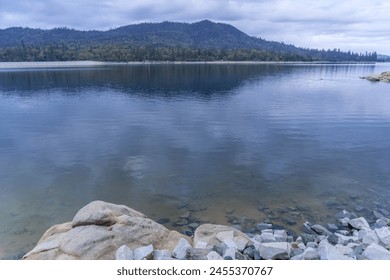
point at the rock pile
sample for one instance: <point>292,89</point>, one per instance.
<point>106,231</point>
<point>383,77</point>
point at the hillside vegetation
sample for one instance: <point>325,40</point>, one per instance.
<point>166,41</point>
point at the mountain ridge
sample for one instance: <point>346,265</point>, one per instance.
<point>199,36</point>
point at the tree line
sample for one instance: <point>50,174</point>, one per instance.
<point>127,53</point>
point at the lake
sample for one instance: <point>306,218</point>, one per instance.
<point>234,144</point>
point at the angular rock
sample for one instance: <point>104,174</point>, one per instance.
<point>250,251</point>
<point>267,237</point>
<point>310,254</point>
<point>384,236</point>
<point>201,245</point>
<point>344,240</point>
<point>262,226</point>
<point>181,248</point>
<point>162,254</point>
<point>143,253</point>
<point>330,252</point>
<point>124,253</point>
<point>359,223</point>
<point>98,229</point>
<point>345,250</point>
<point>320,230</point>
<point>280,235</point>
<point>370,237</point>
<point>376,252</point>
<point>332,227</point>
<point>383,222</point>
<point>230,253</point>
<point>333,239</point>
<point>208,233</point>
<point>229,243</point>
<point>240,242</point>
<point>275,250</point>
<point>197,254</point>
<point>214,256</point>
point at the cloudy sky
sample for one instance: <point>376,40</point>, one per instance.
<point>356,25</point>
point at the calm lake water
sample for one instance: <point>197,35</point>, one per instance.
<point>230,143</point>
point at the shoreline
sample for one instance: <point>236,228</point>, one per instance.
<point>102,230</point>
<point>72,64</point>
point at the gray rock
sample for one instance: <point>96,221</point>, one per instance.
<point>383,222</point>
<point>344,240</point>
<point>124,253</point>
<point>197,254</point>
<point>384,236</point>
<point>320,230</point>
<point>142,253</point>
<point>370,237</point>
<point>345,250</point>
<point>229,243</point>
<point>358,250</point>
<point>344,221</point>
<point>162,254</point>
<point>214,256</point>
<point>312,245</point>
<point>330,252</point>
<point>275,250</point>
<point>208,232</point>
<point>240,256</point>
<point>332,227</point>
<point>230,253</point>
<point>306,228</point>
<point>267,237</point>
<point>376,252</point>
<point>307,238</point>
<point>262,226</point>
<point>201,245</point>
<point>181,248</point>
<point>250,251</point>
<point>280,235</point>
<point>333,239</point>
<point>359,223</point>
<point>310,254</point>
<point>343,214</point>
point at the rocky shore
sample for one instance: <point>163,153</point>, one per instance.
<point>383,77</point>
<point>102,230</point>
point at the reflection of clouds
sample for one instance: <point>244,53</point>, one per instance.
<point>135,166</point>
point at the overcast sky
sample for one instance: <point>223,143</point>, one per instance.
<point>356,25</point>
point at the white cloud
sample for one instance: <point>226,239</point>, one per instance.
<point>350,25</point>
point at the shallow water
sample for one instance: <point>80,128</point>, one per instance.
<point>228,143</point>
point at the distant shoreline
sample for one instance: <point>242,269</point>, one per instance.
<point>71,64</point>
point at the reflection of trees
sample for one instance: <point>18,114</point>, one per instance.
<point>146,78</point>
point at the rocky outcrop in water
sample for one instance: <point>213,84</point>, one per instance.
<point>383,77</point>
<point>102,230</point>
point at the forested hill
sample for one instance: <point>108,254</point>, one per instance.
<point>166,41</point>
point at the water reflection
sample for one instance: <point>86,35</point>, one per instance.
<point>218,141</point>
